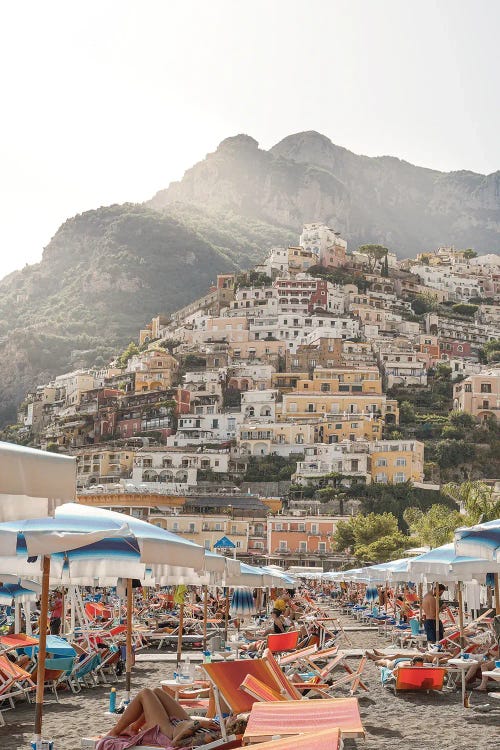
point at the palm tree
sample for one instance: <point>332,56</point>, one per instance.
<point>475,498</point>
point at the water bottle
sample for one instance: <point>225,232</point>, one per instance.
<point>207,657</point>
<point>186,671</point>
<point>112,701</point>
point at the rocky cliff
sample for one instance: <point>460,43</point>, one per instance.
<point>305,177</point>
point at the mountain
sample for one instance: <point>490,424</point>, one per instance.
<point>104,274</point>
<point>107,272</point>
<point>305,177</point>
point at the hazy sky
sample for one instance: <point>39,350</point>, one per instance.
<point>108,101</point>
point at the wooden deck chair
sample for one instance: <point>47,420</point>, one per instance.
<point>14,681</point>
<point>259,690</point>
<point>280,642</point>
<point>226,679</point>
<point>325,739</point>
<point>419,678</point>
<point>338,660</point>
<point>15,641</point>
<point>269,719</point>
<point>296,656</point>
<point>291,690</point>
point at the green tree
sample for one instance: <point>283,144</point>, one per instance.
<point>370,538</point>
<point>464,309</point>
<point>470,253</point>
<point>131,350</point>
<point>434,527</point>
<point>374,254</point>
<point>449,453</point>
<point>406,413</point>
<point>476,498</point>
<point>462,419</point>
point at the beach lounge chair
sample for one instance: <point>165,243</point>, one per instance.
<point>56,672</point>
<point>419,678</point>
<point>14,681</point>
<point>296,656</point>
<point>281,642</point>
<point>324,739</point>
<point>267,720</point>
<point>338,659</point>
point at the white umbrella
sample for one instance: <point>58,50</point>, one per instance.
<point>33,482</point>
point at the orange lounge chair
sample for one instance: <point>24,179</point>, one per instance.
<point>419,678</point>
<point>260,691</point>
<point>291,690</point>
<point>227,677</point>
<point>325,739</point>
<point>269,719</point>
<point>279,642</point>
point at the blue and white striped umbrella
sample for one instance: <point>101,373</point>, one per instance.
<point>13,591</point>
<point>242,603</point>
<point>481,541</point>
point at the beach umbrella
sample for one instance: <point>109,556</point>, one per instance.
<point>482,540</point>
<point>31,543</point>
<point>242,603</point>
<point>33,482</point>
<point>84,542</point>
<point>16,592</point>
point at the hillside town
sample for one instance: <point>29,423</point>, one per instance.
<point>235,415</point>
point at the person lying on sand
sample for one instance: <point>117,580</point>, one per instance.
<point>153,718</point>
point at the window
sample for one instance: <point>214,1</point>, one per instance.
<point>381,478</point>
<point>207,544</point>
<point>322,547</point>
<point>277,527</point>
<point>399,478</point>
<point>485,387</point>
<point>302,546</point>
<point>301,527</point>
<point>191,528</point>
<point>292,407</point>
<point>401,462</point>
<point>283,546</point>
<point>314,528</point>
<point>175,526</point>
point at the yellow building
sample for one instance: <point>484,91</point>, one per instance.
<point>305,405</point>
<point>98,465</point>
<point>349,427</point>
<point>364,380</point>
<point>206,530</point>
<point>286,382</point>
<point>299,260</point>
<point>154,370</point>
<point>396,461</point>
<point>282,438</point>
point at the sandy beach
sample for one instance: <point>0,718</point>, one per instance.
<point>411,720</point>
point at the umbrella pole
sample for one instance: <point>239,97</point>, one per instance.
<point>205,616</point>
<point>128,663</point>
<point>181,628</point>
<point>420,593</point>
<point>42,647</point>
<point>460,612</point>
<point>226,615</point>
<point>497,594</point>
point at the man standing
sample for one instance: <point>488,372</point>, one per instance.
<point>56,614</point>
<point>431,607</point>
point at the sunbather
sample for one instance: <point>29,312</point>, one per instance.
<point>153,717</point>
